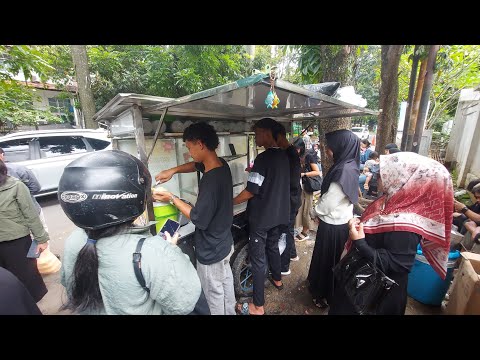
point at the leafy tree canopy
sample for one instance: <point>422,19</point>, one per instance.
<point>16,99</point>
<point>169,71</point>
<point>457,67</point>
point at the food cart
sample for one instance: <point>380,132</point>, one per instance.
<point>151,128</point>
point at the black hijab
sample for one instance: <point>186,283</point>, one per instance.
<point>345,146</point>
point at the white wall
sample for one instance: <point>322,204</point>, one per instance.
<point>42,102</point>
<point>463,149</point>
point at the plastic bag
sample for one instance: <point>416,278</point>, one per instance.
<point>282,243</point>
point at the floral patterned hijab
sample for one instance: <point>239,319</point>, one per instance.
<point>418,197</point>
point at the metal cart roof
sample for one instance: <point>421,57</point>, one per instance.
<point>242,100</point>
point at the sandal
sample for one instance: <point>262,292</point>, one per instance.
<point>301,236</point>
<point>279,287</point>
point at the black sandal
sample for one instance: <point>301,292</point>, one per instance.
<point>279,287</point>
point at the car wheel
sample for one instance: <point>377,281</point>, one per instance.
<point>242,273</point>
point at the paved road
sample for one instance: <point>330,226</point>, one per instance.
<point>59,227</point>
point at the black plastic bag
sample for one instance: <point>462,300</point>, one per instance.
<point>311,183</point>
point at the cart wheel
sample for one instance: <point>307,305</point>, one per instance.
<point>242,274</point>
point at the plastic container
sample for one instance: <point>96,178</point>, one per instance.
<point>425,285</point>
<point>164,211</point>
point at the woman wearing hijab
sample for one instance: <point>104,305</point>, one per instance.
<point>417,206</point>
<point>334,210</point>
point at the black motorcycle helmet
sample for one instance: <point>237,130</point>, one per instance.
<point>104,188</point>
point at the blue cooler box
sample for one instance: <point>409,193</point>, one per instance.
<point>424,284</point>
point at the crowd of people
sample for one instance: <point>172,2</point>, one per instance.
<point>97,269</point>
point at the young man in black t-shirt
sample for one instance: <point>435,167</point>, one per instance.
<point>268,195</point>
<point>212,216</point>
<point>290,252</point>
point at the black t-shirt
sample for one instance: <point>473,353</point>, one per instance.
<point>295,170</point>
<point>212,214</point>
<point>269,182</point>
<point>310,158</point>
<point>475,208</point>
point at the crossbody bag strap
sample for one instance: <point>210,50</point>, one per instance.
<point>375,256</point>
<point>137,264</point>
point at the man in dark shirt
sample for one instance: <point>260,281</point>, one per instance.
<point>290,252</point>
<point>212,216</point>
<point>268,209</point>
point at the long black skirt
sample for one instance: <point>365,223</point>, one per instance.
<point>13,257</point>
<point>328,247</point>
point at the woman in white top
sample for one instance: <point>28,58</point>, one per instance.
<point>335,208</point>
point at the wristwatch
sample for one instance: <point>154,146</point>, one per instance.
<point>464,210</point>
<point>172,198</point>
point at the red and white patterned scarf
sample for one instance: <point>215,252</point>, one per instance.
<point>418,197</point>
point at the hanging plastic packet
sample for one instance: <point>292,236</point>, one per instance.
<point>272,99</point>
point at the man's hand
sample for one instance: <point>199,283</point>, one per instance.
<point>163,196</point>
<point>164,176</point>
<point>458,205</point>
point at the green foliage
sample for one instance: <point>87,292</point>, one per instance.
<point>168,71</point>
<point>16,99</point>
<point>320,63</point>
<point>367,78</point>
<point>457,67</point>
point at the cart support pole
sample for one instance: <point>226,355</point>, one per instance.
<point>157,132</point>
<point>140,140</point>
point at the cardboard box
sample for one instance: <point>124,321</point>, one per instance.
<point>465,290</point>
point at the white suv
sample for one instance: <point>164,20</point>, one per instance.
<point>47,152</point>
<point>361,132</point>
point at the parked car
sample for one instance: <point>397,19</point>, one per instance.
<point>47,152</point>
<point>361,132</point>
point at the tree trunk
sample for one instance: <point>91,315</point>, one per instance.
<point>388,100</point>
<point>427,87</point>
<point>80,61</point>
<point>336,68</point>
<point>416,104</point>
<point>411,91</point>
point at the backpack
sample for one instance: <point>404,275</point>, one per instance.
<point>201,307</point>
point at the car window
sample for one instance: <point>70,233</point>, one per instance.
<point>98,144</point>
<point>61,145</point>
<point>16,150</point>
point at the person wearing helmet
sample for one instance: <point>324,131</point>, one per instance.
<point>102,193</point>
